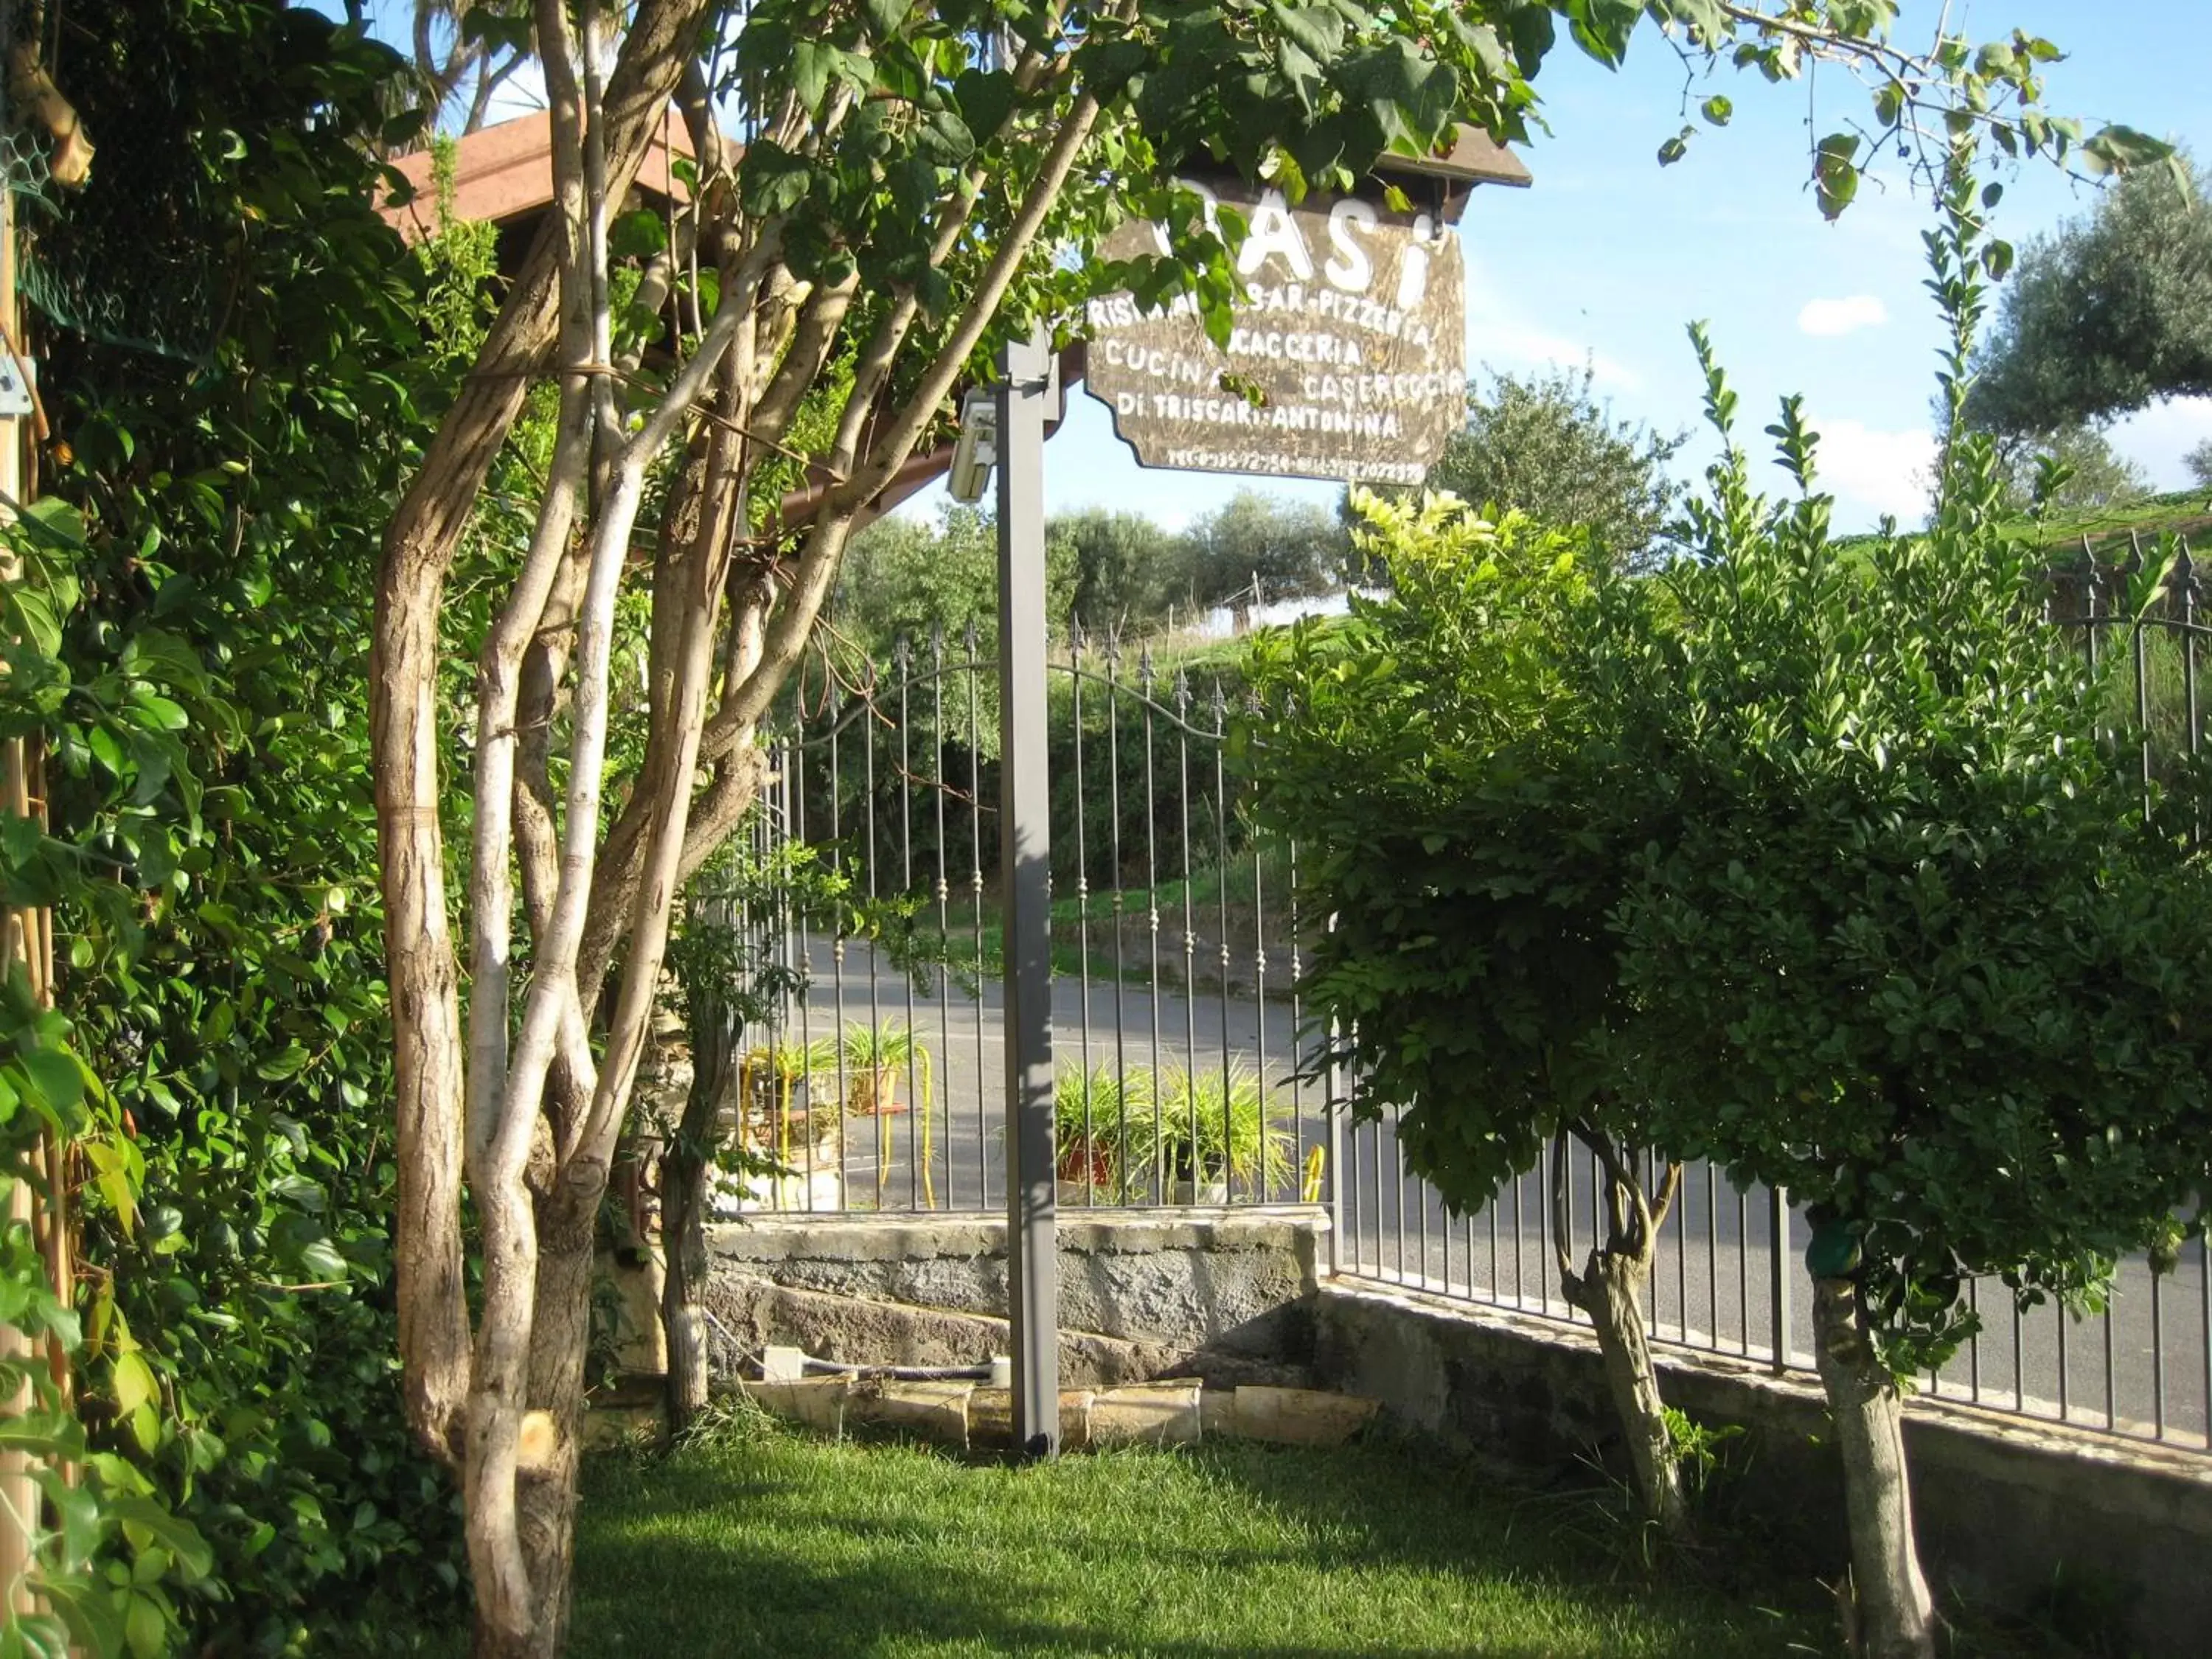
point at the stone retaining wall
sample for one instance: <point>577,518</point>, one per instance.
<point>2104,1538</point>
<point>1223,1295</point>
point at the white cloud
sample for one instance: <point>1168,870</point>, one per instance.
<point>1827,319</point>
<point>1872,472</point>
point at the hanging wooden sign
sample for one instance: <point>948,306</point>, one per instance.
<point>1350,340</point>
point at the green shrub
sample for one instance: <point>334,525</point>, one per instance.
<point>1132,1138</point>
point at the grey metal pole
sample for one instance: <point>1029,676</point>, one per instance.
<point>1779,1267</point>
<point>1024,866</point>
<point>1340,1145</point>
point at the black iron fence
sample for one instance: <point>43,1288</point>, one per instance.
<point>1184,1074</point>
<point>1175,944</point>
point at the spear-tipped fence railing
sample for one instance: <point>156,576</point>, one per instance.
<point>1186,1076</point>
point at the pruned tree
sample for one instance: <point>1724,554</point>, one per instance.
<point>1257,548</point>
<point>1464,767</point>
<point>727,984</point>
<point>1921,951</point>
<point>2072,470</point>
<point>910,181</point>
<point>903,577</point>
<point>1125,568</point>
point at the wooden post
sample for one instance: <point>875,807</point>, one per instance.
<point>18,1496</point>
<point>26,937</point>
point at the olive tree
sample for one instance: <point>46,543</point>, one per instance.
<point>2109,314</point>
<point>1125,568</point>
<point>917,186</point>
<point>1257,547</point>
<point>1466,767</point>
<point>1544,444</point>
<point>1924,948</point>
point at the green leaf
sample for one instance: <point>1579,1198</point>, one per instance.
<point>1602,28</point>
<point>945,139</point>
<point>285,1063</point>
<point>104,749</point>
<point>985,96</point>
<point>2121,148</point>
<point>78,1511</point>
<point>58,1078</point>
<point>812,64</point>
<point>146,1627</point>
<point>1835,177</point>
<point>36,1636</point>
<point>322,1260</point>
<point>1531,29</point>
<point>884,16</point>
<point>134,1382</point>
<point>1317,29</point>
<point>35,1437</point>
<point>34,614</point>
<point>89,1615</point>
<point>111,1173</point>
<point>1717,110</point>
<point>142,1515</point>
<point>638,236</point>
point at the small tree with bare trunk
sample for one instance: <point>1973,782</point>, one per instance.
<point>1923,947</point>
<point>1463,766</point>
<point>909,181</point>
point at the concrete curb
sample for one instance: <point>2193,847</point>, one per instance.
<point>969,1416</point>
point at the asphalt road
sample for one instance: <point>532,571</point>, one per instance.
<point>1712,1287</point>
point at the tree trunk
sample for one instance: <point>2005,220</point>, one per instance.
<point>419,950</point>
<point>1610,1290</point>
<point>545,1487</point>
<point>684,1247</point>
<point>713,1035</point>
<point>1888,1608</point>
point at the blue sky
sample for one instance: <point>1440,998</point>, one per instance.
<point>1610,256</point>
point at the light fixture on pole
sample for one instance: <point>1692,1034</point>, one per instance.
<point>976,451</point>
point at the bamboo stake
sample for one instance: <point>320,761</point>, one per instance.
<point>26,937</point>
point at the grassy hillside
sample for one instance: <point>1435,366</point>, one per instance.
<point>2184,512</point>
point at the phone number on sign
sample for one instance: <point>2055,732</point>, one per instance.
<point>1259,460</point>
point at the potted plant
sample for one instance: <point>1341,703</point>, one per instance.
<point>785,1119</point>
<point>875,1053</point>
<point>1219,1135</point>
<point>1105,1133</point>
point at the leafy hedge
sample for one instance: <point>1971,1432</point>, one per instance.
<point>212,856</point>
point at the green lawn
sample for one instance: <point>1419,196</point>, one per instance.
<point>765,1542</point>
